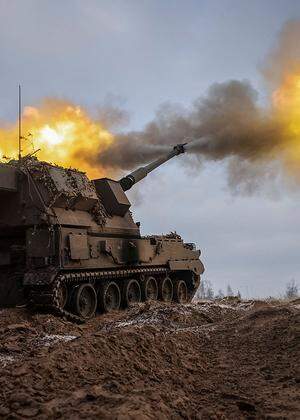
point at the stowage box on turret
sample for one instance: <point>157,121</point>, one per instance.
<point>70,244</point>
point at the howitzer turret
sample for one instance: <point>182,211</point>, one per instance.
<point>71,244</point>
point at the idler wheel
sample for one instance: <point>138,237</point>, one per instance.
<point>150,289</point>
<point>166,290</point>
<point>109,297</point>
<point>180,291</point>
<point>85,301</point>
<point>131,292</point>
<point>62,295</point>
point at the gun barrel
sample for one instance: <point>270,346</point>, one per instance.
<point>129,180</point>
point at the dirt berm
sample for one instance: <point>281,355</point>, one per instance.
<point>217,360</point>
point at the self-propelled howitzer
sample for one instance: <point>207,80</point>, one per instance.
<point>71,244</point>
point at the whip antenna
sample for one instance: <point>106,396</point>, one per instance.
<point>20,124</point>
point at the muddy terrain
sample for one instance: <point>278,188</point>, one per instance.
<point>216,360</point>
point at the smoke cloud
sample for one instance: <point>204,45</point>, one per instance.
<point>228,122</point>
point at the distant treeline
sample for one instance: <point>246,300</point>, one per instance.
<point>206,291</point>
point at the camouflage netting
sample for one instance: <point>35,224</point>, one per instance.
<point>55,181</point>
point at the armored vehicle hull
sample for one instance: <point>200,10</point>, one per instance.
<point>71,245</point>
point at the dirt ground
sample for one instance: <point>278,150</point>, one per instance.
<point>216,360</point>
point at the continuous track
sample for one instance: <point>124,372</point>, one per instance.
<point>47,297</point>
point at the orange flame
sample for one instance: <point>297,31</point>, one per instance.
<point>65,133</point>
<point>286,106</point>
<point>286,102</point>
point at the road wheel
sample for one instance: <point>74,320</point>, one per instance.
<point>131,292</point>
<point>62,295</point>
<point>85,301</point>
<point>180,291</point>
<point>150,289</point>
<point>166,290</point>
<point>109,297</point>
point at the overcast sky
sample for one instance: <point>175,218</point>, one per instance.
<point>137,54</point>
